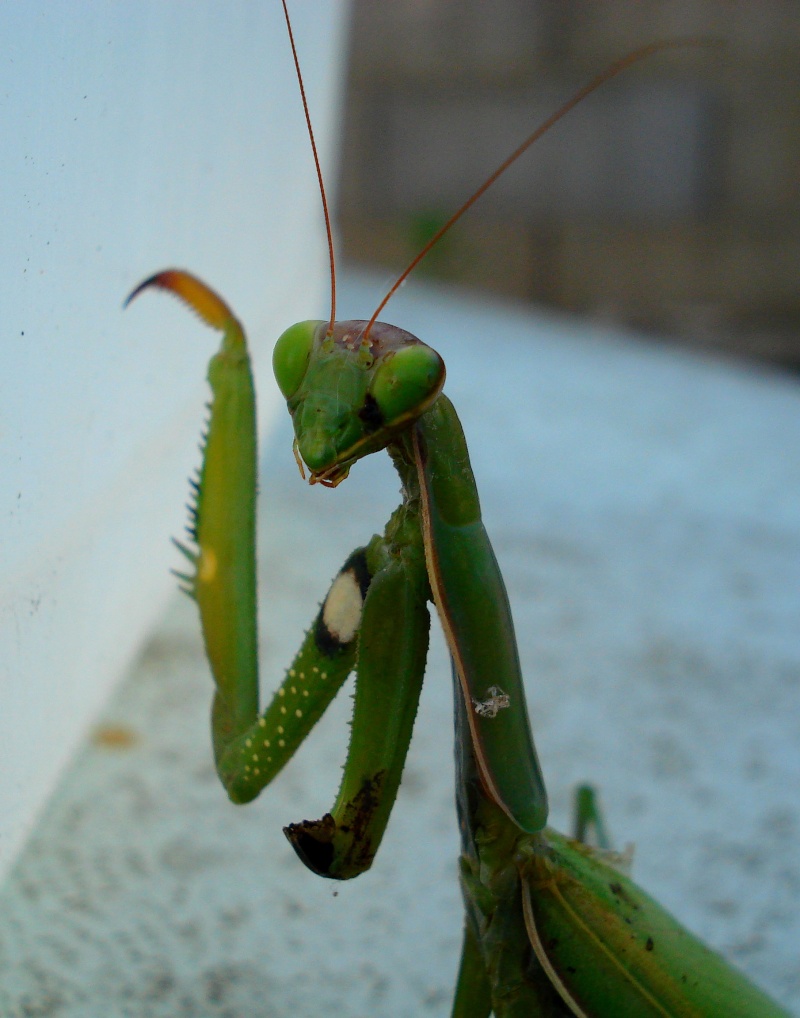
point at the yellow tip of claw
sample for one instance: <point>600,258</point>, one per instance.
<point>200,298</point>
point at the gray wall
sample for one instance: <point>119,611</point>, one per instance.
<point>668,200</point>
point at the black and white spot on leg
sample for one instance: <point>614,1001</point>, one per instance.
<point>341,612</point>
<point>339,618</point>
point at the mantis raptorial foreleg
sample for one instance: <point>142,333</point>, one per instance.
<point>553,927</point>
<point>392,648</point>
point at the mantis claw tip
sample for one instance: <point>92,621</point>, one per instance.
<point>209,306</point>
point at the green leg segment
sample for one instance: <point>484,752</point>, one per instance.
<point>588,819</point>
<point>393,645</point>
<point>249,762</point>
<point>473,992</point>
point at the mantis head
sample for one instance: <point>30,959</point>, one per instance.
<point>350,391</point>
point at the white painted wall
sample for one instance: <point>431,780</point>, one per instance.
<point>135,136</point>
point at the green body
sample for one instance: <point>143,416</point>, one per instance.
<point>552,927</point>
<point>561,929</point>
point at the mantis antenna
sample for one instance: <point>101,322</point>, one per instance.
<point>610,72</point>
<point>606,75</point>
<point>319,168</point>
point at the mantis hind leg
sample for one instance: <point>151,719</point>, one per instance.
<point>473,998</point>
<point>587,824</point>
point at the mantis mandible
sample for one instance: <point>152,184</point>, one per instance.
<point>553,926</point>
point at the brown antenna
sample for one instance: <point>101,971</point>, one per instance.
<point>319,169</point>
<point>610,72</point>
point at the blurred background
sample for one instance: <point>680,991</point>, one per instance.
<point>668,201</point>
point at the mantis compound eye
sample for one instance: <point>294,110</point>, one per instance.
<point>406,383</point>
<point>291,354</point>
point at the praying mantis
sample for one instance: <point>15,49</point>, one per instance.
<point>553,926</point>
